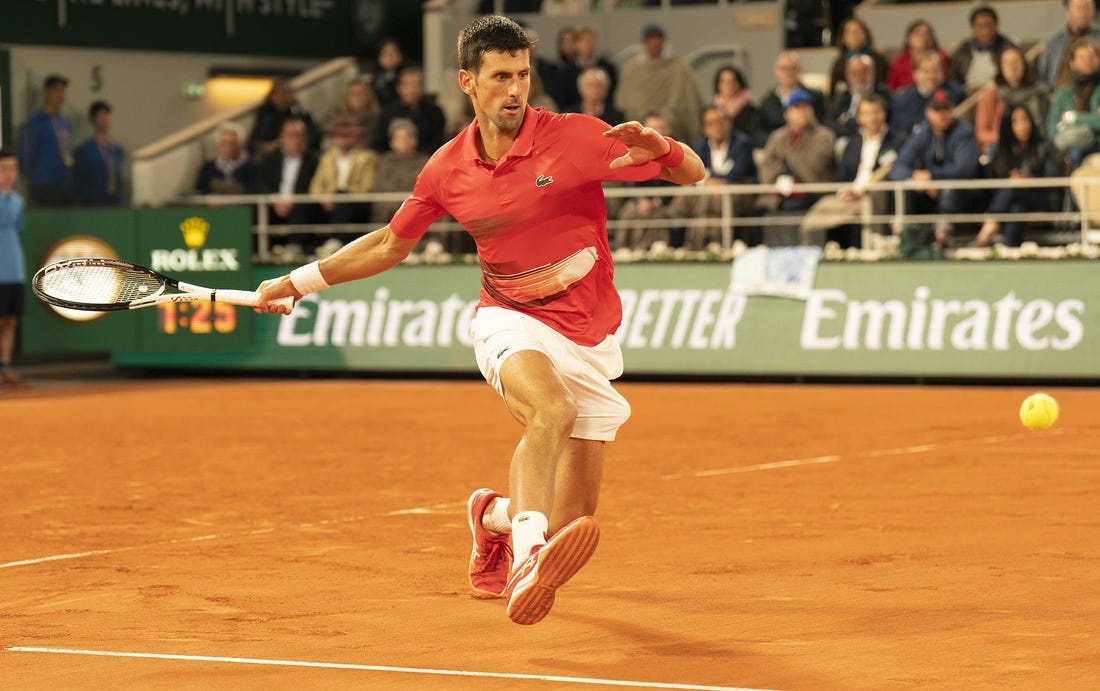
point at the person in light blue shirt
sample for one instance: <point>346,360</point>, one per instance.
<point>12,267</point>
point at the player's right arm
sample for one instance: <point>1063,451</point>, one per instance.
<point>369,255</point>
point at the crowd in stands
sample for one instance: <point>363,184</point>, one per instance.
<point>986,108</point>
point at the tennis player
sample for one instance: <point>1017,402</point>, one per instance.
<point>525,183</point>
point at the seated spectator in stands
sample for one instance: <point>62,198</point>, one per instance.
<point>1014,85</point>
<point>45,149</point>
<point>908,108</point>
<point>854,38</point>
<point>976,60</point>
<point>1073,122</point>
<point>289,170</point>
<point>788,79</point>
<point>278,107</point>
<point>867,157</point>
<point>1022,152</point>
<point>414,105</point>
<point>361,105</point>
<point>800,151</point>
<point>557,8</point>
<point>397,168</point>
<point>727,158</point>
<point>645,209</point>
<point>231,171</point>
<point>547,77</point>
<point>388,61</point>
<point>919,38</point>
<point>586,54</point>
<point>97,163</point>
<point>1052,66</point>
<point>345,167</point>
<point>656,81</point>
<point>941,148</point>
<point>733,98</point>
<point>593,84</point>
<point>859,84</point>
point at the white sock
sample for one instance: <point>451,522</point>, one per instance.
<point>528,530</point>
<point>496,520</point>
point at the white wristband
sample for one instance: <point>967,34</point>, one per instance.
<point>308,279</point>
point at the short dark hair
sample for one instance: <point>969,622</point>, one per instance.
<point>878,100</point>
<point>489,34</point>
<point>53,80</point>
<point>6,153</point>
<point>983,9</point>
<point>97,107</point>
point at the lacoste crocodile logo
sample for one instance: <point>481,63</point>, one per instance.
<point>543,180</point>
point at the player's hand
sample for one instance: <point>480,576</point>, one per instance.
<point>272,290</point>
<point>643,144</point>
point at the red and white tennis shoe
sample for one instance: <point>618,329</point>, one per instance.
<point>532,587</point>
<point>492,556</point>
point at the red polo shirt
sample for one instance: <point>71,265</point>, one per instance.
<point>538,217</point>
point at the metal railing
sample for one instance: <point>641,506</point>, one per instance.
<point>1080,223</point>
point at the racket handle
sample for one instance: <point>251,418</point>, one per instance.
<point>248,298</point>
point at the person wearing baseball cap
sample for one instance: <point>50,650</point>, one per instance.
<point>942,147</point>
<point>46,149</point>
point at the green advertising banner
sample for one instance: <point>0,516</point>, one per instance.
<point>921,319</point>
<point>210,247</point>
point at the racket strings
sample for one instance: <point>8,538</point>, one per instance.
<point>100,285</point>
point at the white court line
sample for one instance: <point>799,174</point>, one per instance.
<point>384,668</point>
<point>833,458</point>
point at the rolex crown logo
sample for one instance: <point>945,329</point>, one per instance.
<point>194,231</point>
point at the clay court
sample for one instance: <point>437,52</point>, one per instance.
<point>255,534</point>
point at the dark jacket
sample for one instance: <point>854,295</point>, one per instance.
<point>848,165</point>
<point>907,110</point>
<point>740,150</point>
<point>954,157</point>
<point>960,59</point>
<point>771,113</point>
<point>842,121</point>
<point>427,116</point>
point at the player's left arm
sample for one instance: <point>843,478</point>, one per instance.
<point>645,144</point>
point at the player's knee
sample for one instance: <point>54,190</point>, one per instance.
<point>558,414</point>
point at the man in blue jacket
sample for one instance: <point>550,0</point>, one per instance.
<point>45,149</point>
<point>943,147</point>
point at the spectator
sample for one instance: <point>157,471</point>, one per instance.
<point>232,170</point>
<point>800,151</point>
<point>289,170</point>
<point>414,105</point>
<point>854,38</point>
<point>941,148</point>
<point>97,163</point>
<point>593,84</point>
<point>733,98</point>
<point>547,78</point>
<point>345,167</point>
<point>788,79</point>
<point>868,154</point>
<point>1023,152</point>
<point>361,105</point>
<point>909,104</point>
<point>278,107</point>
<point>556,8</point>
<point>586,54</point>
<point>1014,85</point>
<point>804,22</point>
<point>45,149</point>
<point>727,159</point>
<point>567,45</point>
<point>397,168</point>
<point>861,83</point>
<point>645,210</point>
<point>388,62</point>
<point>976,60</point>
<point>12,264</point>
<point>1052,65</point>
<point>656,81</point>
<point>1072,121</point>
<point>919,38</point>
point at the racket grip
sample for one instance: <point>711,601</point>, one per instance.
<point>248,298</point>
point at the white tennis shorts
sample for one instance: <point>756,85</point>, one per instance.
<point>499,333</point>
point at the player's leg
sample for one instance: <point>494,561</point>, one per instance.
<point>577,485</point>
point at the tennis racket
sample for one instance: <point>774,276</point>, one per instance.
<point>106,285</point>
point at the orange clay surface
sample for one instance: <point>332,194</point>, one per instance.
<point>755,536</point>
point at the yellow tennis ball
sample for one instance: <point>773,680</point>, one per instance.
<point>1039,411</point>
